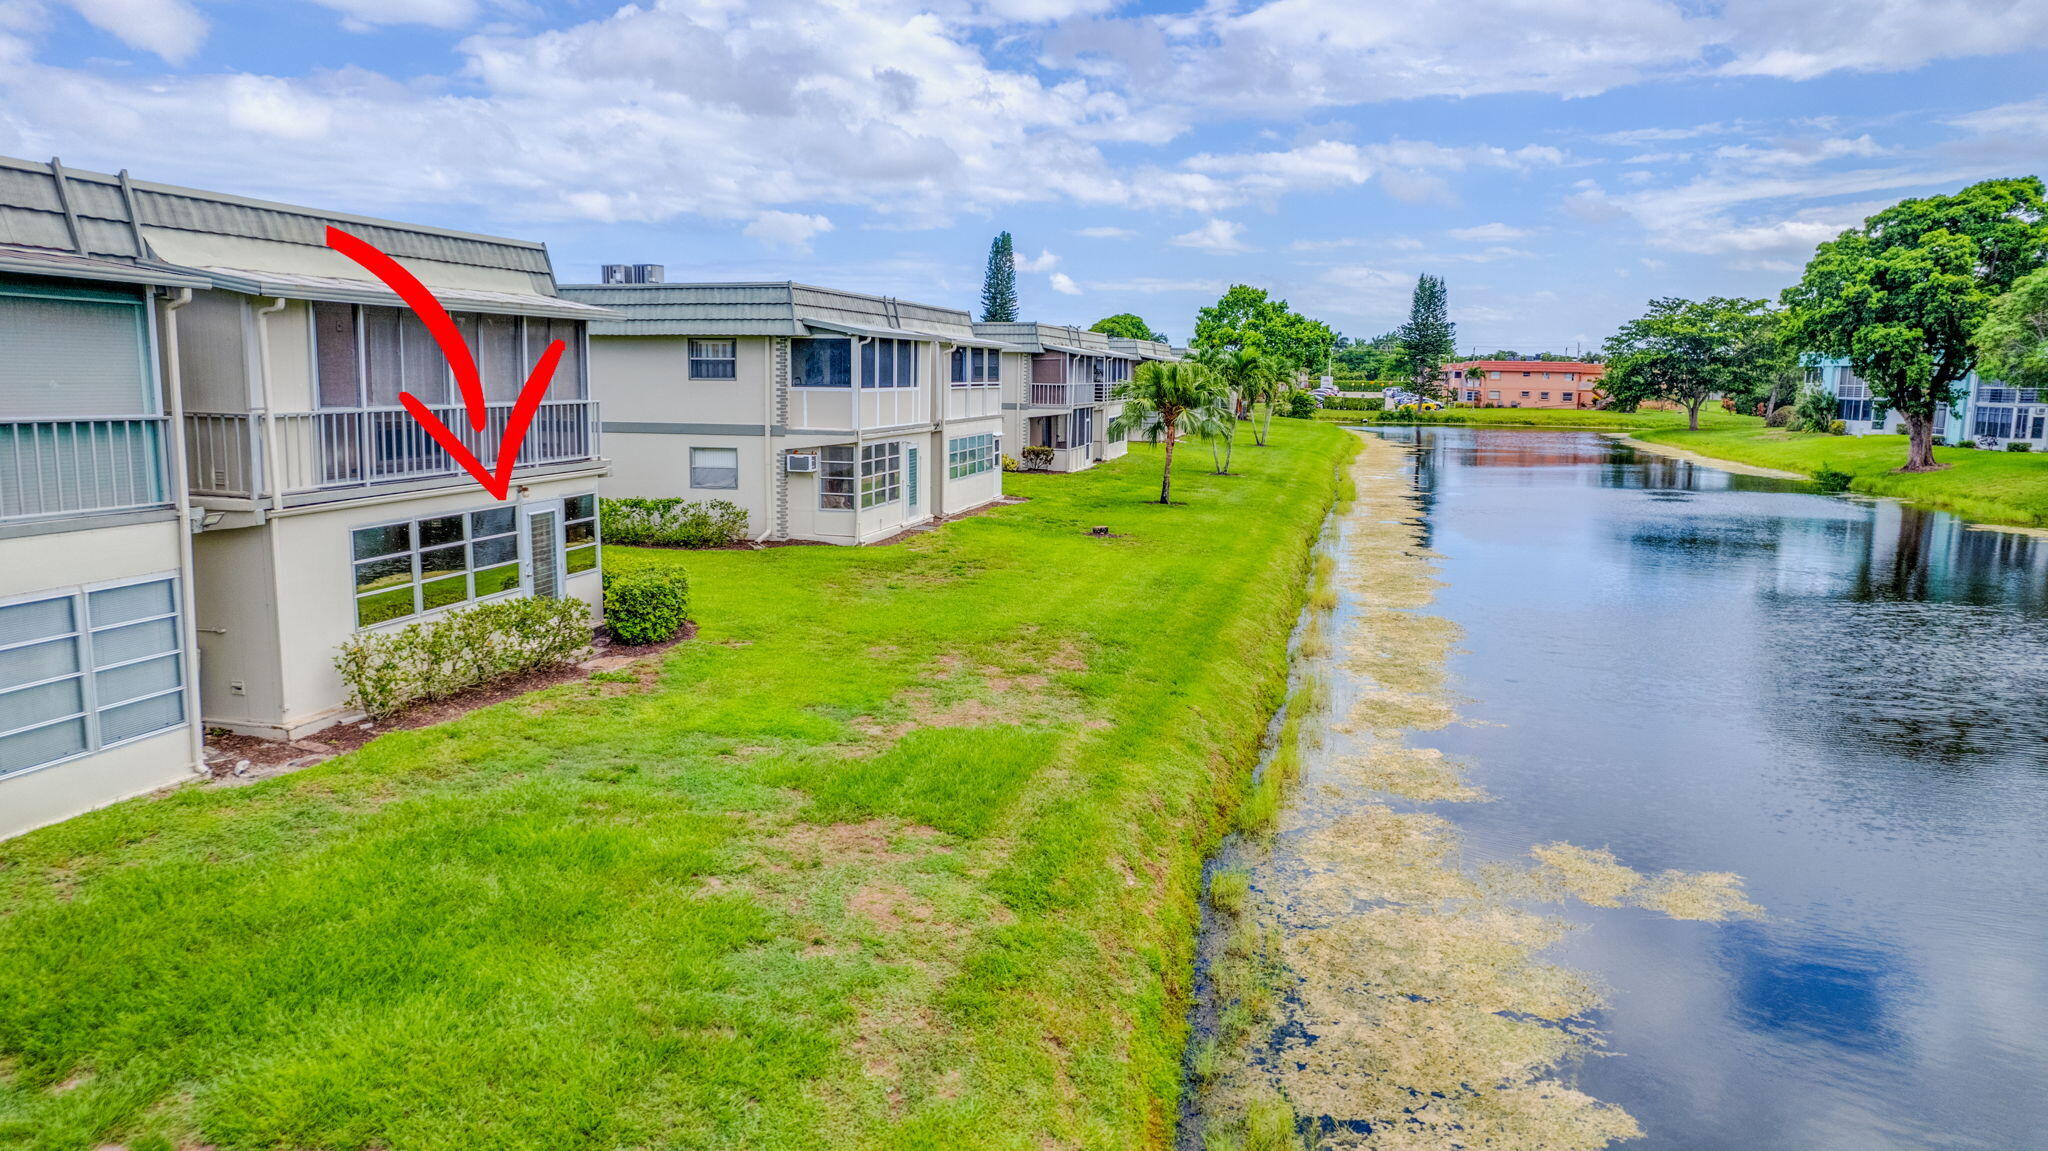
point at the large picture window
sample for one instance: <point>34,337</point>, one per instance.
<point>888,364</point>
<point>970,455</point>
<point>821,362</point>
<point>88,670</point>
<point>1995,422</point>
<point>714,359</point>
<point>881,474</point>
<point>715,468</point>
<point>835,477</point>
<point>419,565</point>
<point>977,366</point>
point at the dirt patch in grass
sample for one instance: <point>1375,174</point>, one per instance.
<point>1020,685</point>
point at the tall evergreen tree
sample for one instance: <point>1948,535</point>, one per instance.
<point>999,283</point>
<point>1429,338</point>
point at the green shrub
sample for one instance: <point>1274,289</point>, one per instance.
<point>1838,428</point>
<point>1010,464</point>
<point>648,606</point>
<point>1037,457</point>
<point>672,523</point>
<point>1354,403</point>
<point>434,658</point>
<point>1828,479</point>
<point>2019,446</point>
<point>1298,406</point>
<point>1813,411</point>
<point>1780,417</point>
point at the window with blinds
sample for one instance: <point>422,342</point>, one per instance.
<point>87,670</point>
<point>75,354</point>
<point>368,355</point>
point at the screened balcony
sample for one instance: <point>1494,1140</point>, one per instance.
<point>80,467</point>
<point>79,429</point>
<point>231,454</point>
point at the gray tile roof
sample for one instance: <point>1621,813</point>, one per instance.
<point>761,309</point>
<point>94,214</point>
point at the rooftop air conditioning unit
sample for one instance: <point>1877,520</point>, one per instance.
<point>633,273</point>
<point>800,462</point>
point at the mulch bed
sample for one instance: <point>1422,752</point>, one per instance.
<point>234,759</point>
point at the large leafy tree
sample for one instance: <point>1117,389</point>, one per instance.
<point>1901,296</point>
<point>1429,338</point>
<point>2012,343</point>
<point>1125,324</point>
<point>1168,402</point>
<point>1689,351</point>
<point>1379,358</point>
<point>999,282</point>
<point>1247,319</point>
<point>1242,318</point>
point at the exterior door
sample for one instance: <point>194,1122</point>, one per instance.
<point>910,476</point>
<point>544,549</point>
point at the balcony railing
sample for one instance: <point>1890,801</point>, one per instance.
<point>357,447</point>
<point>72,467</point>
<point>1062,395</point>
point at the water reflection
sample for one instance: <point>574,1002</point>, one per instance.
<point>1845,701</point>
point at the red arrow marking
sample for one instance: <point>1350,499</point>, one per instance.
<point>435,317</point>
<point>427,308</point>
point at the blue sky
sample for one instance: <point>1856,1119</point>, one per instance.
<point>1559,162</point>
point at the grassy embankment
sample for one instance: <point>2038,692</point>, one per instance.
<point>1711,417</point>
<point>1991,487</point>
<point>901,851</point>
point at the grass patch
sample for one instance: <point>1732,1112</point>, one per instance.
<point>1990,487</point>
<point>902,850</point>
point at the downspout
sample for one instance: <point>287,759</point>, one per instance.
<point>181,493</point>
<point>273,469</point>
<point>273,472</point>
<point>767,447</point>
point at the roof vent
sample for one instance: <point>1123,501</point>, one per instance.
<point>633,273</point>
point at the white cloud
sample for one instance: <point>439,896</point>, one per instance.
<point>1107,233</point>
<point>171,29</point>
<point>273,108</point>
<point>1044,262</point>
<point>1219,236</point>
<point>1064,284</point>
<point>787,229</point>
<point>1483,233</point>
<point>363,15</point>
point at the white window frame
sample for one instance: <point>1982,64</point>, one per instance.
<point>420,578</point>
<point>572,548</point>
<point>89,668</point>
<point>882,464</point>
<point>731,360</point>
<point>694,466</point>
<point>829,478</point>
<point>970,455</point>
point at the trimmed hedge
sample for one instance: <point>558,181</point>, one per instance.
<point>1353,403</point>
<point>672,523</point>
<point>646,606</point>
<point>431,659</point>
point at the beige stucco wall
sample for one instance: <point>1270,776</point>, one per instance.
<point>75,786</point>
<point>65,561</point>
<point>657,465</point>
<point>640,379</point>
<point>311,605</point>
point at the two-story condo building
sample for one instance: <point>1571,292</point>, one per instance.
<point>319,506</point>
<point>1525,383</point>
<point>1989,413</point>
<point>827,415</point>
<point>97,697</point>
<point>1058,388</point>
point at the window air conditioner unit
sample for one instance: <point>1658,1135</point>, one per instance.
<point>800,462</point>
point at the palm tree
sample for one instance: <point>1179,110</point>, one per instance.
<point>1168,402</point>
<point>1247,374</point>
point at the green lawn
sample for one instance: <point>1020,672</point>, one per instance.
<point>1991,487</point>
<point>1710,417</point>
<point>901,851</point>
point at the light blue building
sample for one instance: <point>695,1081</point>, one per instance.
<point>1989,413</point>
